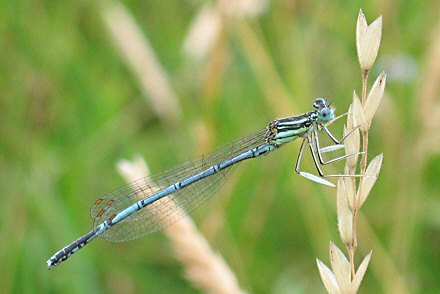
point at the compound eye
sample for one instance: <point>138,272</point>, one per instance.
<point>326,114</point>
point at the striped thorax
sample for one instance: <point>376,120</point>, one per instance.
<point>285,130</point>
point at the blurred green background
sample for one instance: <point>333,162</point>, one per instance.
<point>74,101</point>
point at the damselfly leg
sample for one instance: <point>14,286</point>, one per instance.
<point>315,140</point>
<point>312,140</point>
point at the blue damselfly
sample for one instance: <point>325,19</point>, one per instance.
<point>144,206</point>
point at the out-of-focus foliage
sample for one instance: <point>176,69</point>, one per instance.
<point>71,106</point>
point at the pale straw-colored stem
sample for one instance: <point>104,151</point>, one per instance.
<point>364,133</point>
<point>353,245</point>
<point>365,74</point>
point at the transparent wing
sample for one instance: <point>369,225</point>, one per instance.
<point>170,209</point>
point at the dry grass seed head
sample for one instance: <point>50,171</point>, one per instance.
<point>359,113</point>
<point>375,97</point>
<point>360,273</point>
<point>372,172</point>
<point>368,40</point>
<point>345,217</point>
<point>341,268</point>
<point>328,278</point>
<point>352,142</point>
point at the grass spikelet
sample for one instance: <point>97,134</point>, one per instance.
<point>374,97</point>
<point>372,172</point>
<point>341,267</point>
<point>360,274</point>
<point>328,278</point>
<point>359,113</point>
<point>345,219</point>
<point>367,40</point>
<point>352,142</point>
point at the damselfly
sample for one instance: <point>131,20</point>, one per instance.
<point>152,203</point>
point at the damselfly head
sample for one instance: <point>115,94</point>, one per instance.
<point>320,103</point>
<point>325,112</point>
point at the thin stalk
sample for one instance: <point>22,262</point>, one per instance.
<point>364,133</point>
<point>353,245</point>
